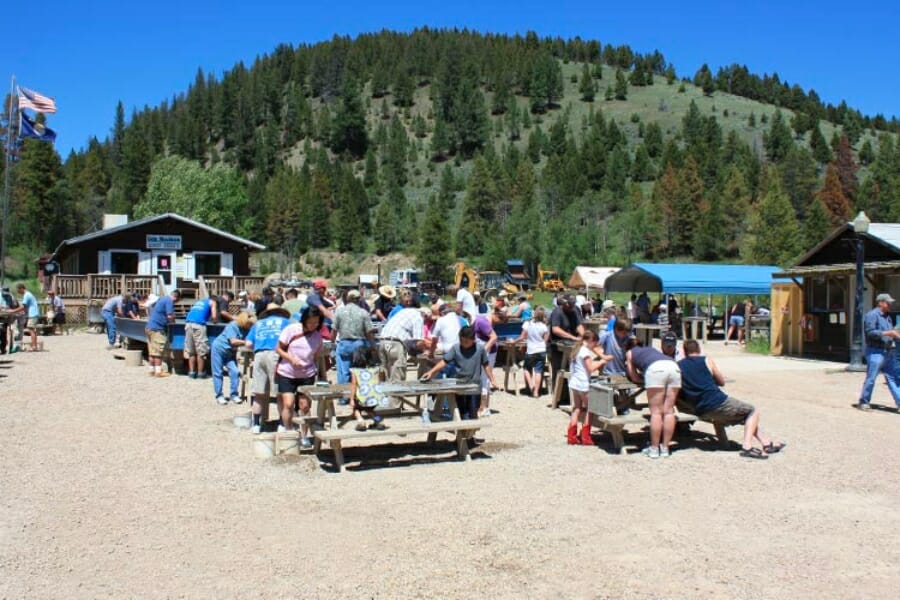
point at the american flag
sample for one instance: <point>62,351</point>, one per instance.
<point>35,101</point>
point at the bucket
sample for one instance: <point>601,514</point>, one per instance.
<point>287,443</point>
<point>242,420</point>
<point>134,358</point>
<point>264,445</point>
<point>269,445</point>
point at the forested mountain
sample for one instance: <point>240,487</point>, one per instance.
<point>447,143</point>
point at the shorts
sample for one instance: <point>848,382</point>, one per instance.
<point>289,385</point>
<point>156,342</point>
<point>196,342</point>
<point>31,323</point>
<point>736,320</point>
<point>730,412</point>
<point>663,373</point>
<point>264,364</point>
<point>535,362</point>
<point>59,318</point>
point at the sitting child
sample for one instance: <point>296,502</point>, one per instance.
<point>365,389</point>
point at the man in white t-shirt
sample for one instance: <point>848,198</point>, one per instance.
<point>446,330</point>
<point>465,302</point>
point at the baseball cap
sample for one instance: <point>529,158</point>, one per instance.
<point>320,283</point>
<point>669,339</point>
<point>884,298</point>
<point>353,295</point>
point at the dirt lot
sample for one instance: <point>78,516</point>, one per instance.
<point>117,485</point>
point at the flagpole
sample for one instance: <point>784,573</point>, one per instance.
<point>8,158</point>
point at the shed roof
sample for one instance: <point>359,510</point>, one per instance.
<point>137,223</point>
<point>590,277</point>
<point>693,278</point>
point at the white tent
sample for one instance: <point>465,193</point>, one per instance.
<point>590,278</point>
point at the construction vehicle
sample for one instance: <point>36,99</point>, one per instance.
<point>549,281</point>
<point>516,277</point>
<point>488,283</point>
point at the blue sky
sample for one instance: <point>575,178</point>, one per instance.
<point>89,55</point>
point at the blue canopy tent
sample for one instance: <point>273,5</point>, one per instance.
<point>670,278</point>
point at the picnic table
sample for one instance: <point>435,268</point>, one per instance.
<point>562,378</point>
<point>695,328</point>
<point>328,426</point>
<point>510,349</point>
<point>647,331</point>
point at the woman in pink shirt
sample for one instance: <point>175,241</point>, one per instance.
<point>298,349</point>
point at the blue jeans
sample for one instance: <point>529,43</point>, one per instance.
<point>880,361</point>
<point>110,318</point>
<point>220,362</point>
<point>344,357</point>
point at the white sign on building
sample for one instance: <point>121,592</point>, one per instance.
<point>163,242</point>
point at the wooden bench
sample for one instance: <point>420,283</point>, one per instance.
<point>615,425</point>
<point>462,429</point>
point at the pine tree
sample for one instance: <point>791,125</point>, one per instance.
<point>846,168</point>
<point>866,153</point>
<point>33,211</point>
<point>778,140</point>
<point>799,178</point>
<point>385,226</point>
<point>481,197</point>
<point>440,141</point>
<point>704,80</point>
<point>709,243</point>
<point>642,167</point>
<point>348,128</point>
<point>621,90</point>
<point>736,202</point>
<point>832,196</point>
<point>774,236</point>
<point>816,226</point>
<point>470,120</point>
<point>587,88</point>
<point>685,207</point>
<point>433,251</point>
<point>818,145</point>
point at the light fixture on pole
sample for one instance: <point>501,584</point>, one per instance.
<point>857,344</point>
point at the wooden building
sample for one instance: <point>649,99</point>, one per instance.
<point>816,311</point>
<point>151,255</point>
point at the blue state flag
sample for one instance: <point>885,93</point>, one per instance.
<point>38,131</point>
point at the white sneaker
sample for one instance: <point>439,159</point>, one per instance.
<point>281,429</point>
<point>236,399</point>
<point>664,452</point>
<point>426,416</point>
<point>220,400</point>
<point>651,451</point>
<point>256,429</point>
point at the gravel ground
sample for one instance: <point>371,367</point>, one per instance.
<point>118,485</point>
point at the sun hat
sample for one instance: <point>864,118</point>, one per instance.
<point>884,298</point>
<point>353,295</point>
<point>387,291</point>
<point>275,309</point>
<point>242,294</point>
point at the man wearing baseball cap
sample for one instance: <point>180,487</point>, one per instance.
<point>881,350</point>
<point>317,299</point>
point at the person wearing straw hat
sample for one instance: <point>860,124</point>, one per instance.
<point>263,339</point>
<point>384,304</point>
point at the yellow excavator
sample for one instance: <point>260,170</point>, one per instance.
<point>549,281</point>
<point>489,283</point>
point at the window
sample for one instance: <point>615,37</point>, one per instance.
<point>837,291</point>
<point>207,264</point>
<point>818,298</point>
<point>123,262</point>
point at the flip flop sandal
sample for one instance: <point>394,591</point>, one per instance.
<point>774,448</point>
<point>754,453</point>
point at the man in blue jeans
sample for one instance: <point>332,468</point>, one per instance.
<point>354,329</point>
<point>881,353</point>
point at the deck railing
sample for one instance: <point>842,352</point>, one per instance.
<point>100,287</point>
<point>216,285</point>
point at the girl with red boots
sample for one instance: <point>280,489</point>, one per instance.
<point>587,358</point>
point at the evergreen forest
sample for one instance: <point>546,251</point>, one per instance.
<point>448,144</point>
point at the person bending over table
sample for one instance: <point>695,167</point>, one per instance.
<point>700,390</point>
<point>298,347</point>
<point>366,395</point>
<point>471,361</point>
<point>224,357</point>
<point>263,340</point>
<point>661,378</point>
<point>586,358</point>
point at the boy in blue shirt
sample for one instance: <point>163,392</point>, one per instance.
<point>263,339</point>
<point>162,314</point>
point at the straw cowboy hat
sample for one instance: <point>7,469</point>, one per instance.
<point>387,291</point>
<point>275,309</point>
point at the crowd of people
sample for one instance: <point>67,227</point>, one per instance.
<point>373,339</point>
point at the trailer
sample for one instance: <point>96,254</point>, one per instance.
<point>134,332</point>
